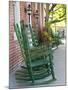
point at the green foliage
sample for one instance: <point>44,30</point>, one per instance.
<point>58,13</point>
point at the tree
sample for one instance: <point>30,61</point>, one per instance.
<point>54,13</point>
<point>59,13</point>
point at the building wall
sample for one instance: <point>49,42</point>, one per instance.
<point>34,7</point>
<point>38,6</point>
<point>14,50</point>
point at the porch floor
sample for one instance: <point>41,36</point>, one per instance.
<point>59,68</point>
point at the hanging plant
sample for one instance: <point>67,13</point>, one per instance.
<point>44,36</point>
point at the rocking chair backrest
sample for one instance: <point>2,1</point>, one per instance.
<point>18,34</point>
<point>34,36</point>
<point>23,42</point>
<point>30,34</point>
<point>26,34</point>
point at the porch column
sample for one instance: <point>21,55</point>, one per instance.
<point>28,15</point>
<point>16,12</point>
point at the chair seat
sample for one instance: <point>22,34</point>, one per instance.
<point>37,63</point>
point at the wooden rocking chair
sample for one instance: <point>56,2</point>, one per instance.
<point>38,59</point>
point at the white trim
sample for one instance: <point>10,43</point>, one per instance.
<point>17,12</point>
<point>16,15</point>
<point>30,15</point>
<point>29,35</point>
<point>35,6</point>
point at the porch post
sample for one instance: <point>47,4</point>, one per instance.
<point>16,14</point>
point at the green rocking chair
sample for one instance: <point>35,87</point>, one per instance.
<point>38,59</point>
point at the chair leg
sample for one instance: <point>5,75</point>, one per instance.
<point>51,66</point>
<point>31,74</point>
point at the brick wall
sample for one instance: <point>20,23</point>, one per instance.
<point>39,16</point>
<point>14,50</point>
<point>33,17</point>
<point>23,14</point>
